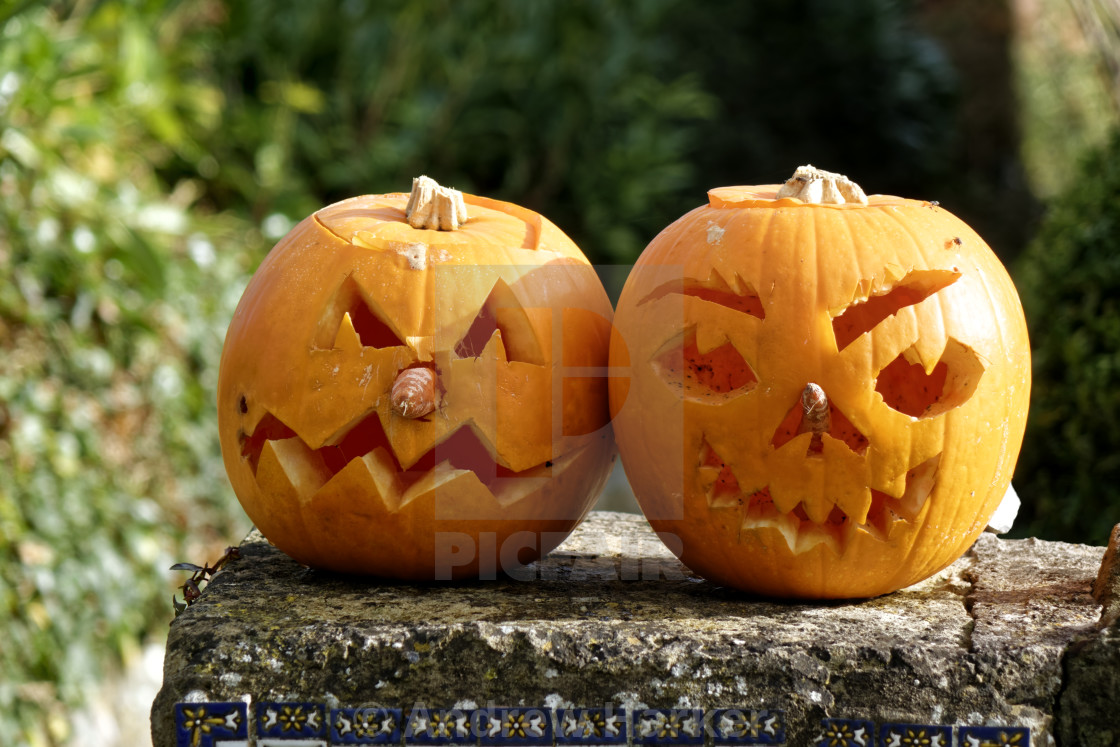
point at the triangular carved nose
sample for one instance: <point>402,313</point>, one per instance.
<point>815,413</point>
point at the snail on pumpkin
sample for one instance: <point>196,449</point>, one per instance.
<point>408,387</point>
<point>827,391</point>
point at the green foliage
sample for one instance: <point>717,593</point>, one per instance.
<point>573,108</point>
<point>612,119</point>
<point>853,87</point>
<point>1069,279</point>
<point>1068,100</point>
<point>113,303</point>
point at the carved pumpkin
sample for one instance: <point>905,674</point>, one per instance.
<point>826,396</point>
<point>409,392</point>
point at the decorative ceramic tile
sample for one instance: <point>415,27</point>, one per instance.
<point>439,726</point>
<point>915,735</point>
<point>365,726</point>
<point>843,732</point>
<point>734,726</point>
<point>590,726</point>
<point>993,736</point>
<point>211,724</point>
<point>514,726</point>
<point>291,720</point>
<point>301,724</point>
<point>668,726</point>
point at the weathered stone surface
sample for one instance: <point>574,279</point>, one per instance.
<point>611,617</point>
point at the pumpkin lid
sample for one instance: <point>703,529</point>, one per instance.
<point>434,216</point>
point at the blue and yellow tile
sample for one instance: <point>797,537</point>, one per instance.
<point>915,735</point>
<point>437,726</point>
<point>993,736</point>
<point>735,726</point>
<point>590,726</point>
<point>365,726</point>
<point>515,726</point>
<point>844,732</point>
<point>667,726</point>
<point>291,720</point>
<point>202,724</point>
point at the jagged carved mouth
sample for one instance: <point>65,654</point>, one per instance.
<point>364,453</point>
<point>499,349</point>
<point>806,525</point>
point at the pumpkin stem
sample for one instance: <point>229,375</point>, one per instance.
<point>414,393</point>
<point>433,206</point>
<point>819,187</point>
<point>815,403</point>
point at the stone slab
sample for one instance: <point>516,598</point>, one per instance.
<point>1009,636</point>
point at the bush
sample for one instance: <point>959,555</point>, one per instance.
<point>568,107</point>
<point>610,118</point>
<point>854,87</point>
<point>113,304</point>
<point>1069,279</point>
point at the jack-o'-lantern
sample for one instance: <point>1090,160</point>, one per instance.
<point>412,387</point>
<point>827,392</point>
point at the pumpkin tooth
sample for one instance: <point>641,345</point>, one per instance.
<point>362,462</point>
<point>804,525</point>
<point>289,461</point>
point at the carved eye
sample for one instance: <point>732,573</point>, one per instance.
<point>350,313</point>
<point>502,311</point>
<point>906,386</point>
<point>864,316</point>
<point>712,376</point>
<point>715,290</point>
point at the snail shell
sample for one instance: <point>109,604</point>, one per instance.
<point>414,393</point>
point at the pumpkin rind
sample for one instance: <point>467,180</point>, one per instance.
<point>872,303</point>
<point>354,295</point>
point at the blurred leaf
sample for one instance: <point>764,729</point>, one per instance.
<point>109,461</point>
<point>1069,280</point>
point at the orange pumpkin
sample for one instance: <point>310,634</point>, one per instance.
<point>827,392</point>
<point>409,392</point>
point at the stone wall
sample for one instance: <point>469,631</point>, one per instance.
<point>1009,643</point>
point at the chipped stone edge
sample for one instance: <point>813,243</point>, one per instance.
<point>1106,587</point>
